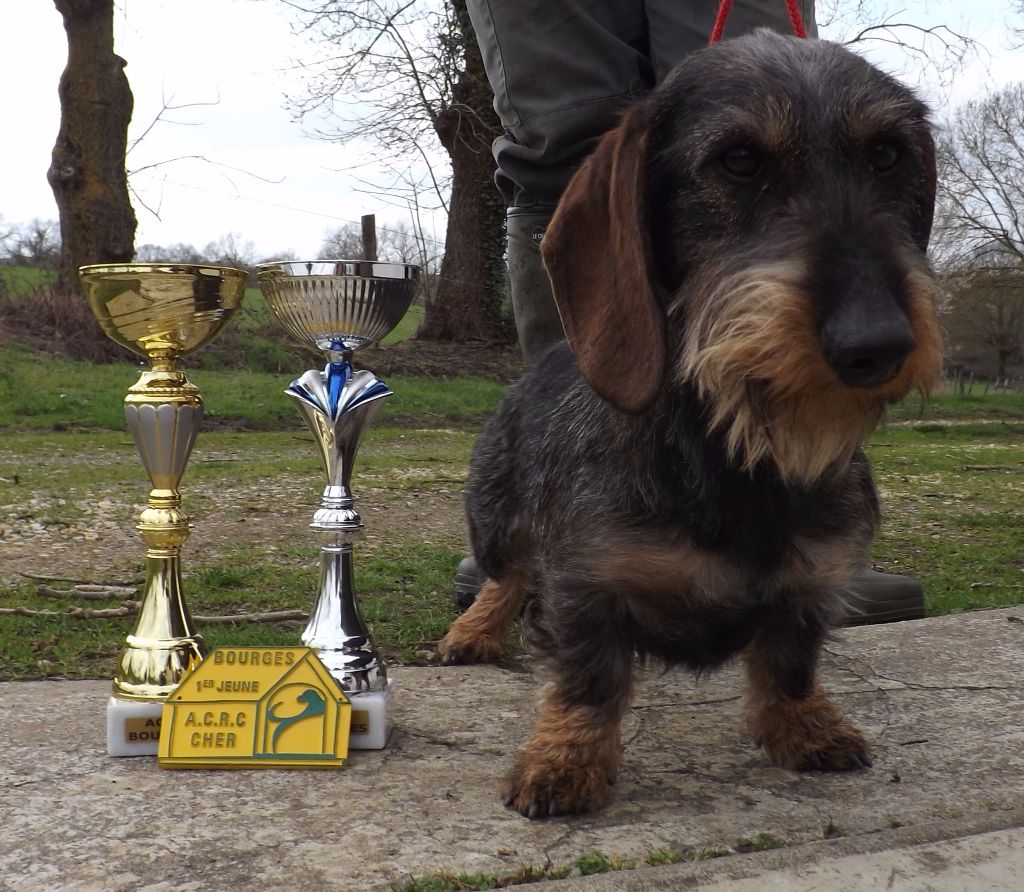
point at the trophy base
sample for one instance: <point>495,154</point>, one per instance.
<point>133,727</point>
<point>371,719</point>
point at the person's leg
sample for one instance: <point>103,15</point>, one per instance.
<point>560,71</point>
<point>678,28</point>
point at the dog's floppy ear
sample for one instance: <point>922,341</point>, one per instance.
<point>596,252</point>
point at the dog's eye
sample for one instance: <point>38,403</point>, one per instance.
<point>741,162</point>
<point>883,156</point>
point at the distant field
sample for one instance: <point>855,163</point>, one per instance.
<point>952,501</point>
<point>39,392</point>
<point>947,403</point>
<point>15,280</point>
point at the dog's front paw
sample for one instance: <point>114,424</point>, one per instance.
<point>541,786</point>
<point>839,748</point>
<point>478,636</point>
<point>463,645</point>
<point>810,735</point>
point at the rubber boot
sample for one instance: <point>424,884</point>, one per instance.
<point>537,321</point>
<point>879,597</point>
<point>468,582</point>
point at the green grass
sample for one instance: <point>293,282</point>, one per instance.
<point>39,392</point>
<point>674,856</point>
<point>17,280</point>
<point>56,479</point>
<point>587,864</point>
<point>953,510</point>
<point>402,595</point>
<point>407,327</point>
<point>759,842</point>
<point>947,404</point>
<point>952,495</point>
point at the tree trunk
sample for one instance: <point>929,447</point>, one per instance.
<point>87,170</point>
<point>470,303</point>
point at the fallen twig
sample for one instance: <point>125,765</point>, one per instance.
<point>25,611</point>
<point>42,577</point>
<point>88,591</point>
<point>126,609</point>
<point>974,585</point>
<point>274,616</point>
<point>130,608</point>
<point>990,467</point>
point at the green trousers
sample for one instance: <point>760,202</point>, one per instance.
<point>561,71</point>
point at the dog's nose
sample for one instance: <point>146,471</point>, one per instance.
<point>871,356</point>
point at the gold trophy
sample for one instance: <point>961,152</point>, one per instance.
<point>163,312</point>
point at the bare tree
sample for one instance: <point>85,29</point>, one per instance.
<point>231,250</point>
<point>984,319</point>
<point>87,171</point>
<point>415,79</point>
<point>7,234</point>
<point>34,244</point>
<point>396,243</point>
<point>407,243</point>
<point>1017,24</point>
<point>980,221</point>
<point>343,243</point>
<point>938,49</point>
<point>181,252</point>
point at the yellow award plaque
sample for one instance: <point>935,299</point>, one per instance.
<point>256,707</point>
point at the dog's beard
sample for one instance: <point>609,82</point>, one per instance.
<point>751,349</point>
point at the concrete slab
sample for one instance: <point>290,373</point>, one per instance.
<point>940,699</point>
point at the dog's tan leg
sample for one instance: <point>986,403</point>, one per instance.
<point>791,716</point>
<point>478,636</point>
<point>570,761</point>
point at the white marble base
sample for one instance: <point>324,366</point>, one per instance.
<point>133,727</point>
<point>371,719</point>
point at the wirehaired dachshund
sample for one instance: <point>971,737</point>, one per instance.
<point>741,271</point>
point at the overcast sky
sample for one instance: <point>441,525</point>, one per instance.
<point>265,179</point>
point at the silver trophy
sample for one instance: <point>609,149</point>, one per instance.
<point>339,306</point>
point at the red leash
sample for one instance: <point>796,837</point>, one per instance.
<point>723,14</point>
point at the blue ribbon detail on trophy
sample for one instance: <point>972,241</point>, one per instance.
<point>337,389</point>
<point>338,375</point>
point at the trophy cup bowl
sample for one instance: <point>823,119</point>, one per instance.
<point>162,312</point>
<point>338,307</point>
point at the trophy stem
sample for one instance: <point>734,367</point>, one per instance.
<point>338,405</point>
<point>163,411</point>
<point>336,629</point>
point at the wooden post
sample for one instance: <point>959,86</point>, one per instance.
<point>369,222</point>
